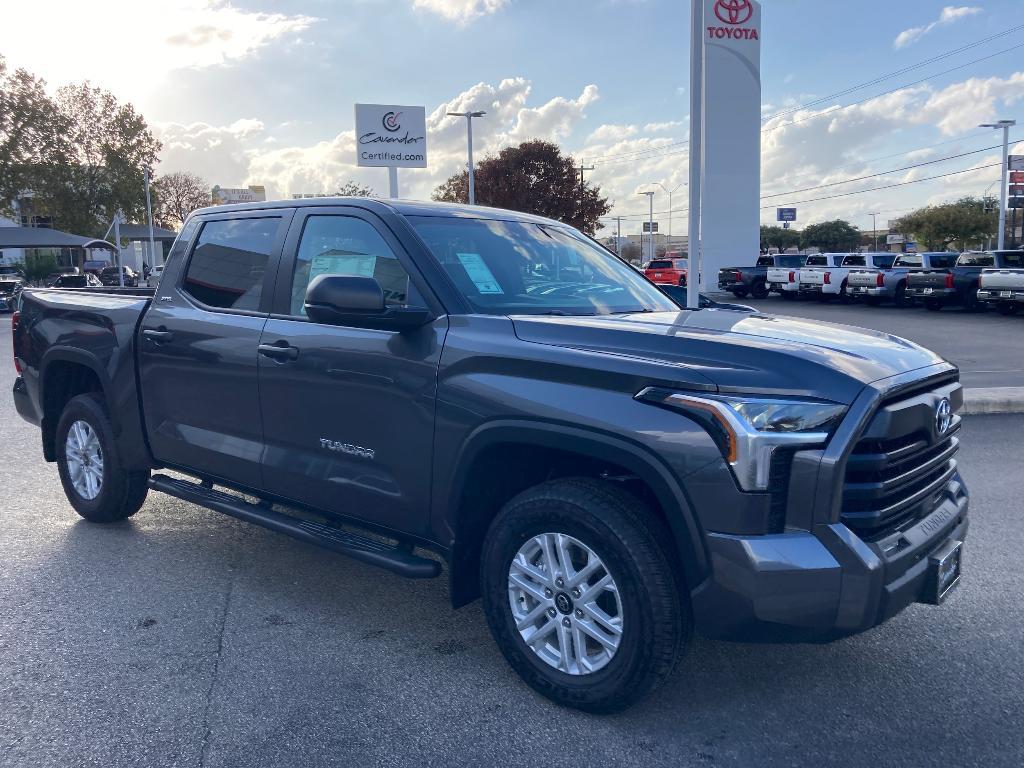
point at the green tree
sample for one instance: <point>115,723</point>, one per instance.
<point>964,222</point>
<point>631,252</point>
<point>99,162</point>
<point>776,237</point>
<point>354,189</point>
<point>533,177</point>
<point>29,131</point>
<point>830,236</point>
<point>39,264</point>
<point>176,195</point>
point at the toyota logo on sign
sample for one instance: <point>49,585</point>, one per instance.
<point>734,11</point>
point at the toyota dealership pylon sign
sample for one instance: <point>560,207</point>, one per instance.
<point>392,137</point>
<point>725,134</point>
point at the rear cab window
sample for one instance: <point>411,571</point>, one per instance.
<point>817,261</point>
<point>765,261</point>
<point>976,260</point>
<point>660,265</point>
<point>910,261</point>
<point>1013,260</point>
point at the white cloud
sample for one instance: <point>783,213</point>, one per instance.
<point>220,154</point>
<point>949,15</point>
<point>142,42</point>
<point>961,106</point>
<point>460,11</point>
<point>668,125</point>
<point>510,119</point>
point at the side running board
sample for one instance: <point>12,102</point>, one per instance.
<point>397,559</point>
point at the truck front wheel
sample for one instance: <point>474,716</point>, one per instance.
<point>90,469</point>
<point>580,596</point>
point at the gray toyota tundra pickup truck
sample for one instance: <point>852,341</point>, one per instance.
<point>421,385</point>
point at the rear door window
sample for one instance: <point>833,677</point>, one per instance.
<point>229,262</point>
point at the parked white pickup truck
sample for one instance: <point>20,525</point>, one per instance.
<point>829,281</point>
<point>1003,289</point>
<point>784,277</point>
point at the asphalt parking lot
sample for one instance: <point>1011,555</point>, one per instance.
<point>185,638</point>
<point>988,347</point>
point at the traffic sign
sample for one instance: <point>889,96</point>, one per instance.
<point>785,214</point>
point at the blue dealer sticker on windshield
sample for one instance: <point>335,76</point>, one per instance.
<point>479,273</point>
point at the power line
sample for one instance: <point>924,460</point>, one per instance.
<point>882,173</point>
<point>652,152</point>
<point>894,73</point>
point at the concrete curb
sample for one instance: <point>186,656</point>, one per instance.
<point>993,400</point>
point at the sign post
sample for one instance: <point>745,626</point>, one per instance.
<point>725,134</point>
<point>392,137</point>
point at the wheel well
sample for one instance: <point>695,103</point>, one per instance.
<point>62,381</point>
<point>502,471</point>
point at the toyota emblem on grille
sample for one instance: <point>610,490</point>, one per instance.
<point>943,416</point>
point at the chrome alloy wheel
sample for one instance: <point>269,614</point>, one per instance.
<point>565,603</point>
<point>84,460</point>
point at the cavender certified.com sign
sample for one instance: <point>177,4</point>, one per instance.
<point>388,135</point>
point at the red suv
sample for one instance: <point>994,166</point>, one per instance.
<point>668,271</point>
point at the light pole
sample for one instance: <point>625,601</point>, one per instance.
<point>874,229</point>
<point>650,234</point>
<point>670,192</point>
<point>469,140</point>
<point>149,213</point>
<point>1006,125</point>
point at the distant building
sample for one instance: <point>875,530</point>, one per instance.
<point>228,195</point>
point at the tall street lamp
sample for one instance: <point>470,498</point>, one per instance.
<point>650,234</point>
<point>1006,125</point>
<point>469,137</point>
<point>670,192</point>
<point>874,229</point>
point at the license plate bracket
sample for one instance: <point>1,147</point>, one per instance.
<point>1006,294</point>
<point>944,571</point>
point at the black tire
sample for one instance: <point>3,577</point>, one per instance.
<point>624,533</point>
<point>844,296</point>
<point>121,492</point>
<point>740,293</point>
<point>760,290</point>
<point>932,305</point>
<point>1006,308</point>
<point>971,301</point>
<point>900,299</point>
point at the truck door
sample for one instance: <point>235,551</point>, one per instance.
<point>198,356</point>
<point>348,413</point>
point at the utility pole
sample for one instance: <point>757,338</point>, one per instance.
<point>650,234</point>
<point>618,234</point>
<point>670,192</point>
<point>469,143</point>
<point>874,229</point>
<point>1006,125</point>
<point>149,212</point>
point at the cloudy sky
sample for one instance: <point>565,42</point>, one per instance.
<point>262,92</point>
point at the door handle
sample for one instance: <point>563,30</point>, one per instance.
<point>157,336</point>
<point>279,351</point>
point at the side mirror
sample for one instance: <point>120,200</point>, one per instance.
<point>358,302</point>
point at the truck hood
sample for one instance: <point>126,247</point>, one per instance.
<point>741,351</point>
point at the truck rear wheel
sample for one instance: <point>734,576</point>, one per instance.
<point>580,597</point>
<point>90,467</point>
<point>760,290</point>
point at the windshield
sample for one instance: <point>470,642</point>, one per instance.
<point>511,267</point>
<point>976,260</point>
<point>790,261</point>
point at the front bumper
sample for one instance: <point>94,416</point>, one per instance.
<point>828,583</point>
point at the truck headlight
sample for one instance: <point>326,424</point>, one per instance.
<point>748,430</point>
